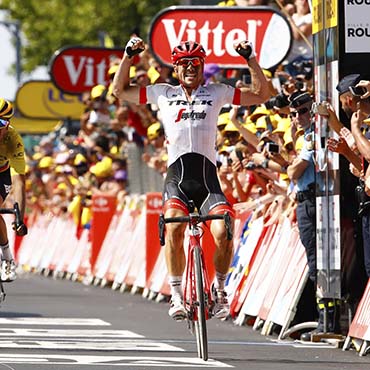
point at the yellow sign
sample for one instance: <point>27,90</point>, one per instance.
<point>42,100</point>
<point>34,126</point>
<point>324,18</point>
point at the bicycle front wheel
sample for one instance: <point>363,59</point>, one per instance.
<point>201,324</point>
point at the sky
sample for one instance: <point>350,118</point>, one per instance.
<point>8,81</point>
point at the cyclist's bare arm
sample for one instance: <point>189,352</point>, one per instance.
<point>260,91</point>
<point>19,191</point>
<point>121,82</point>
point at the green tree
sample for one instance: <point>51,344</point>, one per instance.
<point>48,25</point>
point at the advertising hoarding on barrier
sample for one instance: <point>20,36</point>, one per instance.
<point>76,69</point>
<point>43,100</point>
<point>217,29</point>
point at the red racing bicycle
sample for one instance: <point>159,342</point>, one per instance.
<point>197,295</point>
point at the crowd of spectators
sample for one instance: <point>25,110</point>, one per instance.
<point>65,171</point>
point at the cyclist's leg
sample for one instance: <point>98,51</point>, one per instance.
<point>174,206</point>
<point>8,265</point>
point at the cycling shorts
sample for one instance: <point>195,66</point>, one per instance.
<point>5,183</point>
<point>194,177</point>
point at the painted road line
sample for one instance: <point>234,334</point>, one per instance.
<point>52,321</point>
<point>134,361</point>
<point>21,332</point>
<point>122,345</point>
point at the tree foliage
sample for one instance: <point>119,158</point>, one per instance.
<point>48,25</point>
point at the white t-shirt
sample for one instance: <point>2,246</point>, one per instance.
<point>300,47</point>
<point>190,127</point>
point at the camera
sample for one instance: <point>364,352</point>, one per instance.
<point>279,101</point>
<point>303,67</point>
<point>273,148</point>
<point>357,90</point>
<point>320,108</point>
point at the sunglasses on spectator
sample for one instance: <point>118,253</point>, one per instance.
<point>299,112</point>
<point>232,135</point>
<point>3,123</point>
<point>184,62</point>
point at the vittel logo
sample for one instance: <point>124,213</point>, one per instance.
<point>223,40</point>
<point>95,73</point>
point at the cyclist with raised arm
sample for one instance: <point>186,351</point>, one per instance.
<point>12,175</point>
<point>189,113</point>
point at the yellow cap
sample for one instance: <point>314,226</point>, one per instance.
<point>102,168</point>
<point>153,74</point>
<point>112,70</point>
<point>230,127</point>
<point>282,126</point>
<point>258,112</point>
<point>223,119</point>
<point>97,91</point>
<point>46,162</point>
<point>79,159</point>
<point>37,156</point>
<point>132,71</point>
<point>153,130</point>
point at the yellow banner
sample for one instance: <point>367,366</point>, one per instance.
<point>42,100</point>
<point>34,126</point>
<point>321,20</point>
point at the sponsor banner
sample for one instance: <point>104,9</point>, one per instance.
<point>77,69</point>
<point>324,14</point>
<point>360,325</point>
<point>34,126</point>
<point>357,26</point>
<point>42,100</point>
<point>217,29</point>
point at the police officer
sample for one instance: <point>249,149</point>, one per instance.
<point>302,173</point>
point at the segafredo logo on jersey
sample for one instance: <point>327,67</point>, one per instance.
<point>183,115</point>
<point>75,70</point>
<point>217,29</point>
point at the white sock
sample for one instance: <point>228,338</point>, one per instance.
<point>220,280</point>
<point>175,285</point>
<point>6,254</point>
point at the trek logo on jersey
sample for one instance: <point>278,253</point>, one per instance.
<point>182,115</point>
<point>194,102</point>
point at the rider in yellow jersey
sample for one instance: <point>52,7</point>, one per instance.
<point>12,175</point>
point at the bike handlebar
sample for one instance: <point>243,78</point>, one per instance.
<point>15,211</point>
<point>194,219</point>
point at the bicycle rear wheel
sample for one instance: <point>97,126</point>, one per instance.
<point>201,324</point>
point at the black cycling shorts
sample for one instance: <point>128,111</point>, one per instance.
<point>5,183</point>
<point>194,177</point>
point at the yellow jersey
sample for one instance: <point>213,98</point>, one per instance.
<point>12,152</point>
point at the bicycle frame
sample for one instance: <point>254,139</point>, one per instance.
<point>190,296</point>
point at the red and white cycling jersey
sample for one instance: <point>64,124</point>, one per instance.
<point>190,126</point>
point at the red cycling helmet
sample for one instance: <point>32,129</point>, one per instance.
<point>187,49</point>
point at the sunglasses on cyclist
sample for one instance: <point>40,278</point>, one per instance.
<point>3,123</point>
<point>184,62</point>
<point>299,112</point>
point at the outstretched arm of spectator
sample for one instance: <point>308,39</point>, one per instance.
<point>362,143</point>
<point>122,89</point>
<point>340,146</point>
